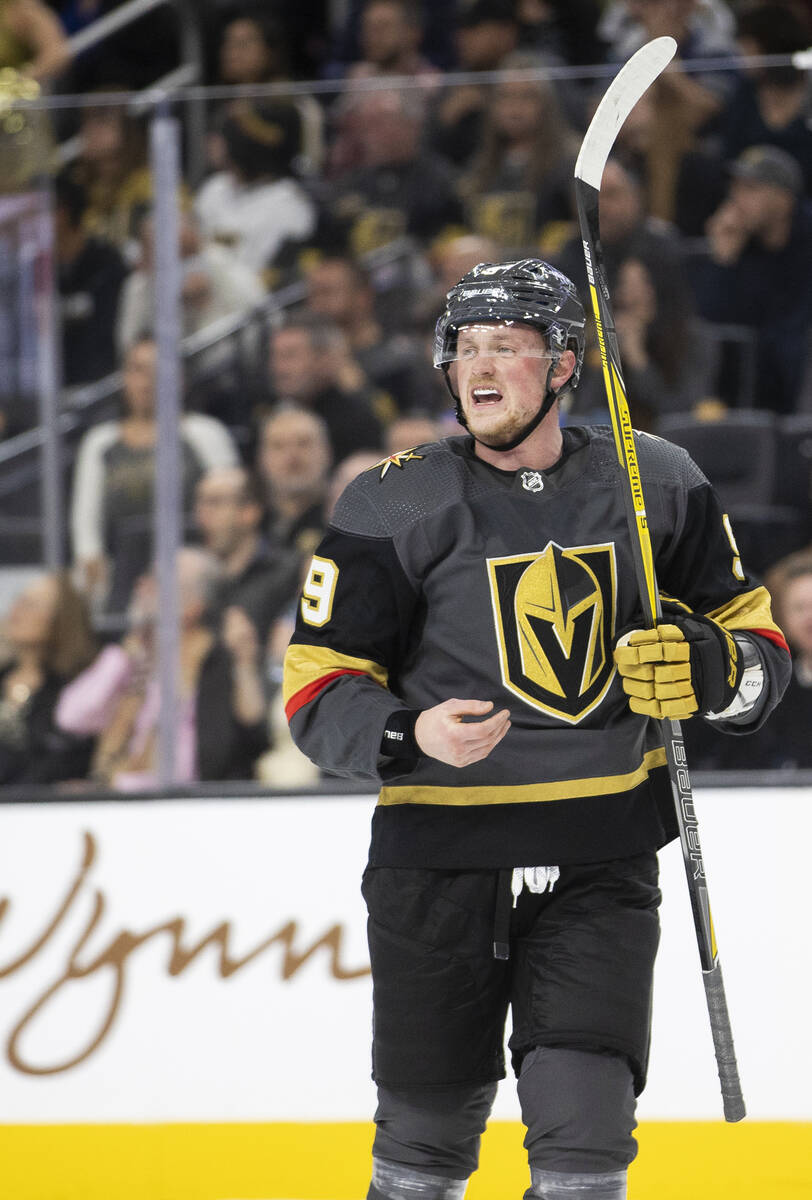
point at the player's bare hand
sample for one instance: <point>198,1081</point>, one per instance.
<point>443,733</point>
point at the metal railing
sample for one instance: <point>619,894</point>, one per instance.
<point>189,71</point>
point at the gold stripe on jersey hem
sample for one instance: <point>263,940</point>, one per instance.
<point>525,793</point>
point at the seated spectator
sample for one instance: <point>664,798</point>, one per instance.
<point>653,331</point>
<point>686,105</point>
<point>214,284</point>
<point>487,32</point>
<point>222,708</point>
<point>341,291</point>
<point>756,271</point>
<point>112,168</point>
<point>311,365</point>
<point>398,187</point>
<point>90,275</point>
<point>390,34</point>
<point>784,742</point>
<point>255,205</point>
<point>346,471</point>
<point>519,185</point>
<point>628,232</point>
<point>113,482</point>
<point>771,105</point>
<point>791,584</point>
<point>449,258</point>
<point>47,640</point>
<point>293,464</point>
<point>563,28</point>
<point>412,429</point>
<point>254,48</point>
<point>32,40</point>
<point>259,580</point>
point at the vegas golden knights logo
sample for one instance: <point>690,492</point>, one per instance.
<point>555,624</point>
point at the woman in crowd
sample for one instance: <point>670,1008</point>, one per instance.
<point>221,704</point>
<point>47,640</point>
<point>111,516</point>
<point>520,183</point>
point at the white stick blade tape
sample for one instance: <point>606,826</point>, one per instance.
<point>633,79</point>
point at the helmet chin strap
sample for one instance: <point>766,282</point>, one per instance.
<point>550,397</point>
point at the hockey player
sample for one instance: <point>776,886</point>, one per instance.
<point>456,643</point>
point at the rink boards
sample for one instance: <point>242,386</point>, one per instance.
<point>185,1006</point>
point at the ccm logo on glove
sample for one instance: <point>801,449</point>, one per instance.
<point>688,664</point>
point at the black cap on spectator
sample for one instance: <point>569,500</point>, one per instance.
<point>769,164</point>
<point>479,12</point>
<point>263,139</point>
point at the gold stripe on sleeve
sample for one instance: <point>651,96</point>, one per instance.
<point>750,610</point>
<point>305,665</point>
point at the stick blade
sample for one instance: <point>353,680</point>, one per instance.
<point>633,79</point>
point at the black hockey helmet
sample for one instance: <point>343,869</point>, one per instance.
<point>529,291</point>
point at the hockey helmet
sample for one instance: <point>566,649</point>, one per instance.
<point>528,291</point>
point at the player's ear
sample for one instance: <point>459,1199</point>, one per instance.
<point>563,369</point>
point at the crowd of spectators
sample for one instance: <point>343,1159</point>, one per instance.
<point>327,226</point>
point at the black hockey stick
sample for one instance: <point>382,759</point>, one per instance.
<point>623,93</point>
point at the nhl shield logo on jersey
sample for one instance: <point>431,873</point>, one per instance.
<point>532,481</point>
<point>555,624</point>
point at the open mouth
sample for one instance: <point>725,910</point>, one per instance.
<point>484,396</point>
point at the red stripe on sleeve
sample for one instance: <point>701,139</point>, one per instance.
<point>308,693</point>
<point>772,636</point>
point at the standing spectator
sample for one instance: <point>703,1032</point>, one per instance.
<point>259,580</point>
<point>399,187</point>
<point>256,205</point>
<point>311,366</point>
<point>221,713</point>
<point>33,53</point>
<point>756,272</point>
<point>47,638</point>
<point>686,105</point>
<point>114,478</point>
<point>32,40</point>
<point>294,467</point>
<point>519,184</point>
<point>91,273</point>
<point>341,291</point>
<point>771,105</point>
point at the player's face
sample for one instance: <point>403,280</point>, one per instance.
<point>499,378</point>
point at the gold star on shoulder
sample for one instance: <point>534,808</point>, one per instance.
<point>395,460</point>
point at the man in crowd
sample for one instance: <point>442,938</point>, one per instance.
<point>341,291</point>
<point>255,578</point>
<point>311,366</point>
<point>293,463</point>
<point>756,272</point>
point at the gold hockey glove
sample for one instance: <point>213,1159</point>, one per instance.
<point>687,664</point>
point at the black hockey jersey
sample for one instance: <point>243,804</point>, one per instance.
<point>441,576</point>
